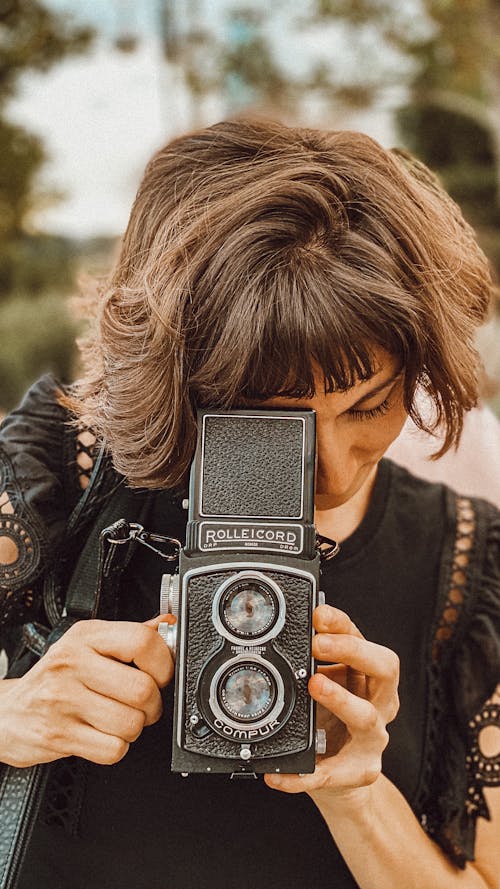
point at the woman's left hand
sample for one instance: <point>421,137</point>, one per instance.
<point>357,697</point>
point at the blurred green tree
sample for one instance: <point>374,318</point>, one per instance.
<point>32,37</point>
<point>36,334</point>
<point>451,117</point>
<point>444,53</point>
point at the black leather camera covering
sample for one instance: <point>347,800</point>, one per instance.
<point>293,642</point>
<point>241,455</point>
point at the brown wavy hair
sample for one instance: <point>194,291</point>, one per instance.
<point>257,252</point>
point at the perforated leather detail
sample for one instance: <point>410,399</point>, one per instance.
<point>18,552</point>
<point>85,452</point>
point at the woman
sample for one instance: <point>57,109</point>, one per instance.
<point>278,267</point>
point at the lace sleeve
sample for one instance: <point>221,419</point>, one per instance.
<point>466,658</point>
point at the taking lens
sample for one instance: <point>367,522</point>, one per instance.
<point>248,608</point>
<point>247,692</point>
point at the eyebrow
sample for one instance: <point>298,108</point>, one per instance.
<point>377,389</point>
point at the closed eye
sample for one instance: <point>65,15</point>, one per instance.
<point>370,413</point>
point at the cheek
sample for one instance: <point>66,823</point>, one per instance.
<point>381,434</point>
<point>396,420</point>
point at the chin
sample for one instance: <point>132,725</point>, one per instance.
<point>330,501</point>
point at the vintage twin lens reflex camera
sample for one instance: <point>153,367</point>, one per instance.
<point>244,597</point>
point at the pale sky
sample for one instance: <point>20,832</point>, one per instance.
<point>103,114</point>
<point>100,117</point>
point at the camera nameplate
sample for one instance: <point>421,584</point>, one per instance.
<point>283,538</point>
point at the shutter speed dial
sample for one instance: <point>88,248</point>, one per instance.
<point>169,594</point>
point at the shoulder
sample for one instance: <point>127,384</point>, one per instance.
<point>464,652</point>
<point>34,450</point>
<point>39,483</point>
<point>462,533</point>
<point>425,500</point>
<point>422,514</point>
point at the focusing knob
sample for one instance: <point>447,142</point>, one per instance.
<point>169,594</point>
<point>168,633</point>
<point>320,740</point>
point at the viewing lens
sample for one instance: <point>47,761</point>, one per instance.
<point>248,608</point>
<point>247,692</point>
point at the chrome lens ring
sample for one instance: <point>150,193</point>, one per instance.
<point>249,608</point>
<point>250,684</point>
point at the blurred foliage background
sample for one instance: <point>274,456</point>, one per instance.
<point>434,63</point>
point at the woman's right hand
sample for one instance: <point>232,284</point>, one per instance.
<point>90,695</point>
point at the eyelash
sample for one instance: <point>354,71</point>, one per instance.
<point>372,413</point>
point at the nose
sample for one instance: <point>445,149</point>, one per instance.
<point>336,463</point>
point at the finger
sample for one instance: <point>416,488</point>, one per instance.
<point>345,676</point>
<point>99,747</point>
<point>321,776</point>
<point>368,658</point>
<point>329,772</point>
<point>124,684</point>
<point>357,683</point>
<point>327,619</point>
<point>360,717</point>
<point>74,737</point>
<point>129,642</point>
<point>337,773</point>
<point>112,717</point>
<point>290,783</point>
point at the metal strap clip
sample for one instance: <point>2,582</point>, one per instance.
<point>134,531</point>
<point>326,547</point>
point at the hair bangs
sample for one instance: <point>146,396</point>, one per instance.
<point>306,346</point>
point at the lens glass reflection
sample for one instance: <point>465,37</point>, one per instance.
<point>247,692</point>
<point>248,608</point>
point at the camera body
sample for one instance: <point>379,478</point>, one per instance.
<point>244,596</point>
